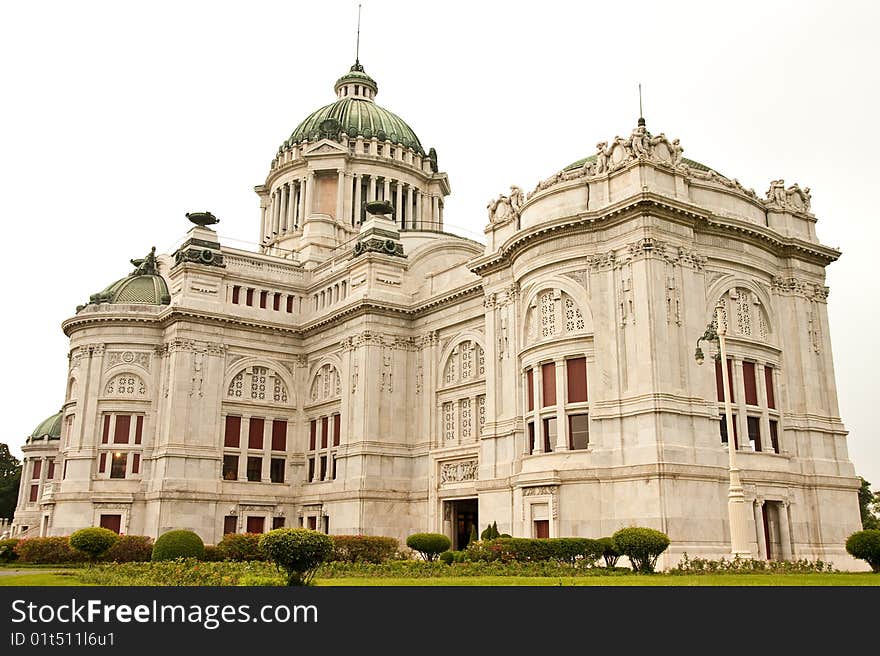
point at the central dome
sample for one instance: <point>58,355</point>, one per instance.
<point>356,114</point>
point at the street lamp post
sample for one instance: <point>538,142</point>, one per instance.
<point>736,503</point>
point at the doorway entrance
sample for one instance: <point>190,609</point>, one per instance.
<point>464,517</point>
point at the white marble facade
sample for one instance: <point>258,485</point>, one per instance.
<point>545,381</point>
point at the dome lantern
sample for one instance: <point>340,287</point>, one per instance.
<point>356,84</point>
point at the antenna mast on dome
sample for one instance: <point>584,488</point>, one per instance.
<point>357,47</point>
<point>641,113</point>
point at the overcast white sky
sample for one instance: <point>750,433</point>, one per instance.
<point>116,118</point>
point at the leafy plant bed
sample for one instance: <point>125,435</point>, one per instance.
<point>421,569</point>
<point>188,572</point>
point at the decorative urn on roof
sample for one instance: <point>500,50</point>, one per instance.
<point>202,218</point>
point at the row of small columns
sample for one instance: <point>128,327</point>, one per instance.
<point>292,201</point>
<point>361,146</point>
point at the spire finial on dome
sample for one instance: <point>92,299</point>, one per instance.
<point>357,48</point>
<point>641,113</point>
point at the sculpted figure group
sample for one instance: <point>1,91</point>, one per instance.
<point>792,198</point>
<point>506,208</point>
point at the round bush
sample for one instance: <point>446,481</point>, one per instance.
<point>178,544</point>
<point>7,550</point>
<point>429,545</point>
<point>298,551</point>
<point>865,545</point>
<point>447,557</point>
<point>641,545</point>
<point>93,542</point>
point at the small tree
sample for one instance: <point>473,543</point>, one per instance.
<point>865,545</point>
<point>429,545</point>
<point>93,542</point>
<point>642,546</point>
<point>297,551</point>
<point>609,551</point>
<point>473,536</point>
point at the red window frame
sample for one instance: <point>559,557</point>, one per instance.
<point>232,432</point>
<point>576,369</point>
<point>122,429</point>
<point>279,435</point>
<point>548,383</point>
<point>751,389</point>
<point>255,433</point>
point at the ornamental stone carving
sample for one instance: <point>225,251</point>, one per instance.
<point>795,286</point>
<point>139,358</point>
<point>459,471</point>
<point>505,209</point>
<point>793,198</point>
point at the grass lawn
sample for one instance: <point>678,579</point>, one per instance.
<point>35,576</point>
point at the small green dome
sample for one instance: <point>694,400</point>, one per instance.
<point>144,285</point>
<point>356,115</point>
<point>50,427</point>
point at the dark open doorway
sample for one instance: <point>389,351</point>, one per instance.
<point>464,517</point>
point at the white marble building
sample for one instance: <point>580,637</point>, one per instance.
<point>367,372</point>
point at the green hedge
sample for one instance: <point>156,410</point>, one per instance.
<point>641,545</point>
<point>363,548</point>
<point>581,551</point>
<point>178,544</point>
<point>131,549</point>
<point>240,546</point>
<point>187,572</point>
<point>865,545</point>
<point>429,545</point>
<point>49,551</point>
<point>7,550</point>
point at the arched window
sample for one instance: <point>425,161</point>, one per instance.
<point>462,395</point>
<point>126,385</point>
<point>553,313</point>
<point>259,384</point>
<point>325,384</point>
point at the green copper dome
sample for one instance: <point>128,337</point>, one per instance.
<point>50,427</point>
<point>356,115</point>
<point>144,285</point>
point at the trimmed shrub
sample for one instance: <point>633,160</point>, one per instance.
<point>131,549</point>
<point>609,551</point>
<point>473,537</point>
<point>212,554</point>
<point>363,548</point>
<point>699,565</point>
<point>865,545</point>
<point>491,532</point>
<point>583,551</point>
<point>298,551</point>
<point>429,545</point>
<point>48,551</point>
<point>447,557</point>
<point>641,545</point>
<point>178,544</point>
<point>7,550</point>
<point>240,546</point>
<point>93,542</point>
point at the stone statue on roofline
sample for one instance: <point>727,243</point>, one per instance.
<point>146,266</point>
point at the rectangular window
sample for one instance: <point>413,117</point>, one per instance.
<point>754,426</point>
<point>276,302</point>
<point>277,522</point>
<point>136,463</point>
<point>123,427</point>
<point>138,429</point>
<point>323,467</point>
<point>249,297</point>
<point>719,381</point>
<point>768,382</point>
<point>232,434</point>
<point>530,388</point>
<point>102,463</point>
<point>38,469</point>
<point>323,433</point>
<point>549,434</point>
<point>255,524</point>
<point>230,468</point>
<point>279,435</point>
<point>290,303</point>
<point>333,468</point>
<point>254,468</point>
<point>117,465</point>
<point>578,431</point>
<point>263,296</point>
<point>112,522</point>
<point>548,383</point>
<point>105,434</point>
<point>313,523</point>
<point>531,434</point>
<point>576,368</point>
<point>774,435</point>
<point>255,433</point>
<point>34,491</point>
<point>749,383</point>
<point>276,470</point>
<point>50,474</point>
<point>311,470</point>
<point>337,426</point>
<point>724,430</point>
<point>230,524</point>
<point>236,290</point>
<point>313,427</point>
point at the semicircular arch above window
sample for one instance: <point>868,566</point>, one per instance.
<point>465,363</point>
<point>326,384</point>
<point>743,314</point>
<point>126,385</point>
<point>553,313</point>
<point>258,383</point>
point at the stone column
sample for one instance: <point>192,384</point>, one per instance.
<point>276,219</point>
<point>265,474</point>
<point>785,545</point>
<point>419,203</point>
<point>242,447</point>
<point>561,427</point>
<point>766,442</point>
<point>23,483</point>
<point>407,215</point>
<point>759,528</point>
<point>358,203</point>
<point>371,194</point>
<point>538,395</point>
<point>340,194</point>
<point>346,200</point>
<point>435,211</point>
<point>386,189</point>
<point>282,220</point>
<point>399,206</point>
<point>262,224</point>
<point>290,222</point>
<point>738,392</point>
<point>310,196</point>
<point>777,394</point>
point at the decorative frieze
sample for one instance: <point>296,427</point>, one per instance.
<point>459,471</point>
<point>798,287</point>
<point>137,358</point>
<point>645,248</point>
<point>543,491</point>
